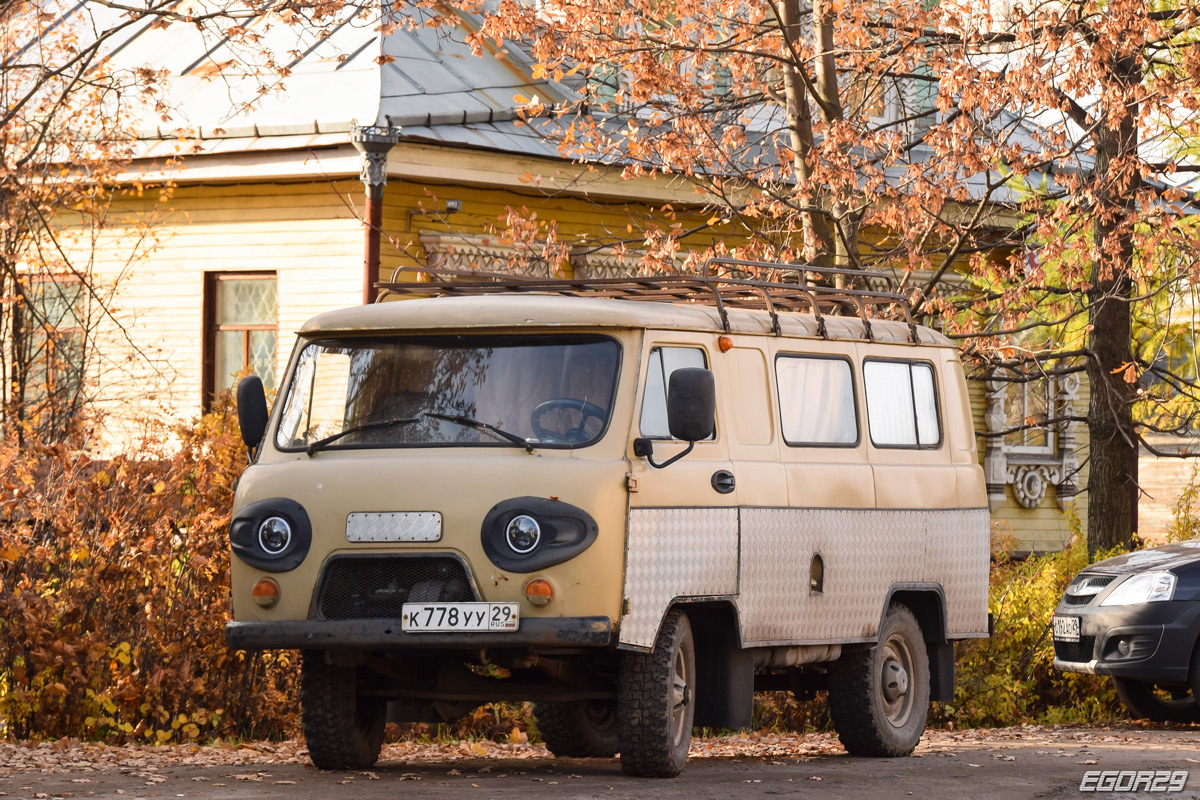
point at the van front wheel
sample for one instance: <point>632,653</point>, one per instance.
<point>342,728</point>
<point>879,698</point>
<point>656,702</point>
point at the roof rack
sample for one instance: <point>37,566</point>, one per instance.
<point>721,291</point>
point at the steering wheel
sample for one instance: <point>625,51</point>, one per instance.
<point>577,434</point>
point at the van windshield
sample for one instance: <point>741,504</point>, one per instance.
<point>543,390</point>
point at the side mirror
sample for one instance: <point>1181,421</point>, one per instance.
<point>691,413</point>
<point>251,410</point>
<point>691,404</point>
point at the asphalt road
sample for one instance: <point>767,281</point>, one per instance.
<point>1016,763</point>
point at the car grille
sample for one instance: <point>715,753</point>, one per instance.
<point>1079,652</point>
<point>1094,583</point>
<point>370,587</point>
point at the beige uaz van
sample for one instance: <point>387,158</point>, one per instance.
<point>634,502</point>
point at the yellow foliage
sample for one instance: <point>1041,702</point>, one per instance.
<point>112,576</point>
<point>1009,679</point>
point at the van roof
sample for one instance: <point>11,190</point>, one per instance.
<point>535,310</point>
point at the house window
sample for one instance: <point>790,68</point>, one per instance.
<point>1031,460</point>
<point>54,334</point>
<point>1027,410</point>
<point>241,323</point>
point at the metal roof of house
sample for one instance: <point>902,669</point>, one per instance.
<point>422,79</point>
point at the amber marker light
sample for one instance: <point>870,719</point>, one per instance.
<point>266,592</point>
<point>539,592</point>
<point>725,343</point>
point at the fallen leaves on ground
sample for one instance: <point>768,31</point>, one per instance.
<point>70,755</point>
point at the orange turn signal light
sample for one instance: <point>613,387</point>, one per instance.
<point>539,592</point>
<point>725,343</point>
<point>265,593</point>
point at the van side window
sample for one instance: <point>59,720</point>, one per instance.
<point>901,404</point>
<point>816,401</point>
<point>664,361</point>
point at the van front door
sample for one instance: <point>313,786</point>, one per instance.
<point>683,519</point>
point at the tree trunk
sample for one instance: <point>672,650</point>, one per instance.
<point>844,226</point>
<point>1113,477</point>
<point>818,237</point>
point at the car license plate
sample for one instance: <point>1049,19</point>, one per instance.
<point>458,617</point>
<point>1066,629</point>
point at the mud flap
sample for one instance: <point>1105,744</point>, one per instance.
<point>725,685</point>
<point>941,671</point>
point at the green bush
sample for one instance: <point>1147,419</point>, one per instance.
<point>1009,679</point>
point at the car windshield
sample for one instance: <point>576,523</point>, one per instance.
<point>506,391</point>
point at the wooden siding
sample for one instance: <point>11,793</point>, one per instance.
<point>302,232</point>
<point>1047,527</point>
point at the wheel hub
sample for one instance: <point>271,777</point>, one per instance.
<point>895,680</point>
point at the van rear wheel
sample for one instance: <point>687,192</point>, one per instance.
<point>342,727</point>
<point>578,729</point>
<point>656,702</point>
<point>879,698</point>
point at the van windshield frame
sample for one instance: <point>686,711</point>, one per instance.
<point>551,391</point>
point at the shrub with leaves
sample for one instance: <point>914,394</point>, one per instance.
<point>1185,513</point>
<point>1009,679</point>
<point>114,595</point>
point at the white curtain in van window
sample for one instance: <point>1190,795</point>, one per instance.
<point>890,403</point>
<point>925,403</point>
<point>816,400</point>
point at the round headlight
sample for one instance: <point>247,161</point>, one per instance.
<point>274,535</point>
<point>523,534</point>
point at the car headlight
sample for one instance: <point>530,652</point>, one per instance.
<point>272,535</point>
<point>529,534</point>
<point>523,534</point>
<point>1146,587</point>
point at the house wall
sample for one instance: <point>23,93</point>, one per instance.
<point>1162,479</point>
<point>152,361</point>
<point>308,232</point>
<point>412,208</point>
<point>1047,527</point>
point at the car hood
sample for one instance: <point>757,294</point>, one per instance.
<point>1165,557</point>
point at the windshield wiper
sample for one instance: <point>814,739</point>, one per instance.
<point>471,422</point>
<point>366,426</point>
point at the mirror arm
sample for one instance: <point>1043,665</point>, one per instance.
<point>645,448</point>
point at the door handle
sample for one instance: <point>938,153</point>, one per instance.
<point>722,481</point>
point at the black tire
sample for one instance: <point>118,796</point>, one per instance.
<point>879,697</point>
<point>582,729</point>
<point>343,729</point>
<point>1168,705</point>
<point>655,704</point>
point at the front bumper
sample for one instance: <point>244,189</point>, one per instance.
<point>385,634</point>
<point>1158,639</point>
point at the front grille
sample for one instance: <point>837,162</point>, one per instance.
<point>371,587</point>
<point>1078,652</point>
<point>1085,588</point>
